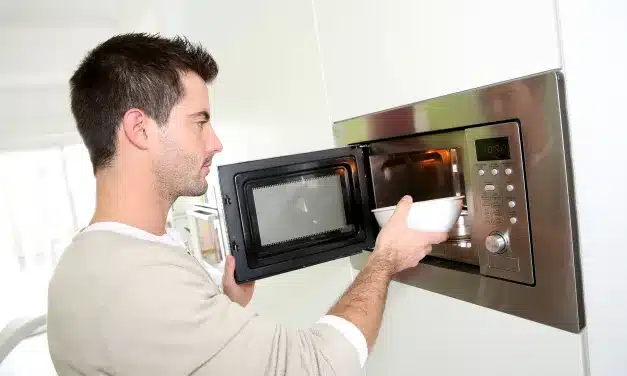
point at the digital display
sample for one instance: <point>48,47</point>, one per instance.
<point>492,149</point>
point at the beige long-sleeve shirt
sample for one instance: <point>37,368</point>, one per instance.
<point>119,305</point>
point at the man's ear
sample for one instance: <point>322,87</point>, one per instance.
<point>135,125</point>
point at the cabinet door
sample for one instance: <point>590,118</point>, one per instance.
<point>380,54</point>
<point>295,211</point>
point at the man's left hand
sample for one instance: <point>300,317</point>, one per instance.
<point>240,294</point>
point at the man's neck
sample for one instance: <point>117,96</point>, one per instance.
<point>119,198</point>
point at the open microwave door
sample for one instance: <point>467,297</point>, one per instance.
<point>295,211</point>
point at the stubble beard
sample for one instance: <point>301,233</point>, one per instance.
<point>178,174</point>
<point>180,180</point>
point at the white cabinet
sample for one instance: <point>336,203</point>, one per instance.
<point>594,42</point>
<point>379,54</point>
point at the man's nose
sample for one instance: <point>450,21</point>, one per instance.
<point>214,144</point>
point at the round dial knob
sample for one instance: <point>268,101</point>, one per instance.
<point>496,242</point>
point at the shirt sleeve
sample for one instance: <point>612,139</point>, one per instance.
<point>351,333</point>
<point>170,320</point>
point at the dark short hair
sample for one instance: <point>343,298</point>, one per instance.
<point>127,71</point>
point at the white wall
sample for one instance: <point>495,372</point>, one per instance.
<point>269,100</point>
<point>379,54</point>
<point>594,39</point>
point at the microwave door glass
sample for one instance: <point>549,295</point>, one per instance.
<point>306,207</point>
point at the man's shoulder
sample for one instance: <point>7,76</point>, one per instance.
<point>104,259</point>
<point>99,237</point>
<point>103,246</point>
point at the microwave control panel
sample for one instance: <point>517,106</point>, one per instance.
<point>500,220</point>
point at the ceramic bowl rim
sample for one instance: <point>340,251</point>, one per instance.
<point>419,202</point>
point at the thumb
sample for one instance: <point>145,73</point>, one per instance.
<point>402,210</point>
<point>229,269</point>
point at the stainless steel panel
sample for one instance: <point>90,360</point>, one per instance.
<point>492,211</point>
<point>536,103</point>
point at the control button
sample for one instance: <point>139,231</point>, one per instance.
<point>511,203</point>
<point>496,242</point>
<point>513,220</point>
<point>495,171</point>
<point>481,172</point>
<point>509,187</point>
<point>489,187</point>
<point>508,171</point>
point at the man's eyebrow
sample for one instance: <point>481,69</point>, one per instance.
<point>202,114</point>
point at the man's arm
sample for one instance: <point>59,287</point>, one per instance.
<point>397,248</point>
<point>363,302</point>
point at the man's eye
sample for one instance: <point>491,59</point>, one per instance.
<point>201,123</point>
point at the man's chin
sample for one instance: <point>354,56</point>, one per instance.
<point>196,191</point>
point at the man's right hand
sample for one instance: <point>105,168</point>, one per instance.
<point>398,247</point>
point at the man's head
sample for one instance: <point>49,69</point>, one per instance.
<point>141,104</point>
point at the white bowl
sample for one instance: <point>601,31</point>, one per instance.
<point>437,215</point>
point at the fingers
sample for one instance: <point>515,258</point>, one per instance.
<point>402,210</point>
<point>424,250</point>
<point>423,239</point>
<point>419,254</point>
<point>400,216</point>
<point>248,285</point>
<point>436,237</point>
<point>229,271</point>
<point>229,268</point>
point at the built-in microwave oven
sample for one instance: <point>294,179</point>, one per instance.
<point>503,148</point>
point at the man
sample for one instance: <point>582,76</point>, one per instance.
<point>128,299</point>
